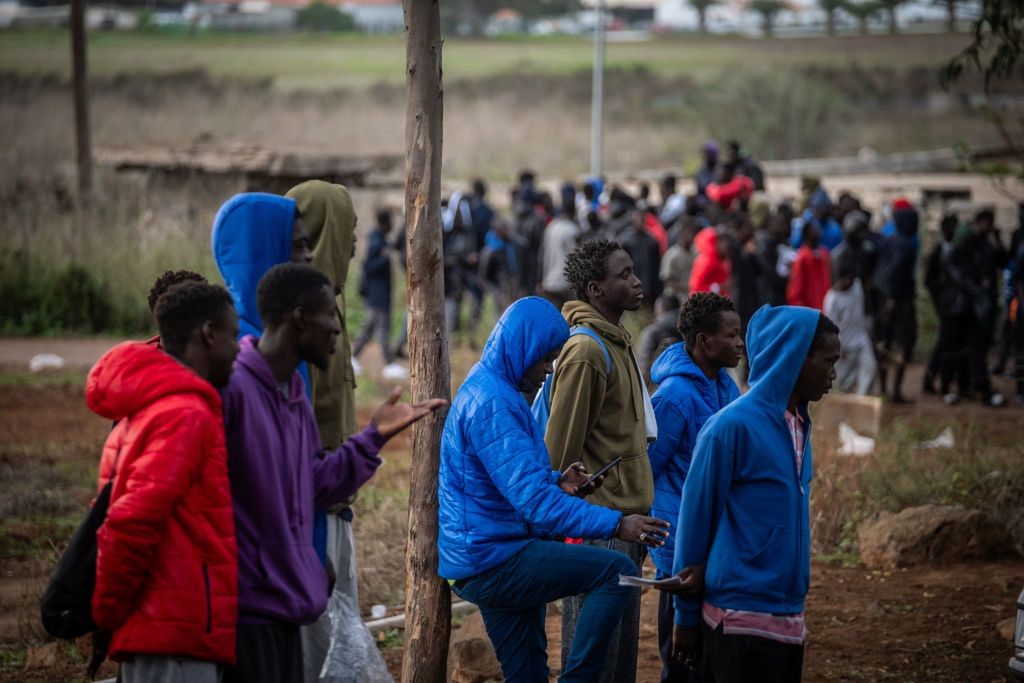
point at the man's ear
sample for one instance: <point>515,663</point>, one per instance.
<point>299,317</point>
<point>206,333</point>
<point>594,290</point>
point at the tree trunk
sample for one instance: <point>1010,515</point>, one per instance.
<point>862,22</point>
<point>702,19</point>
<point>830,21</point>
<point>893,24</point>
<point>768,25</point>
<point>79,76</point>
<point>951,16</point>
<point>427,597</point>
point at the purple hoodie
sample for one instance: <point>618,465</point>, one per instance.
<point>279,474</point>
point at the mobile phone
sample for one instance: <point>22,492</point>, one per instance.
<point>604,470</point>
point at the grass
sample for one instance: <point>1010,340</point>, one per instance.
<point>354,60</point>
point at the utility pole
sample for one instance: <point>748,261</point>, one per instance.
<point>427,596</point>
<point>80,85</point>
<point>597,97</point>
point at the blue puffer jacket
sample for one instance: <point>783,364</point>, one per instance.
<point>497,489</point>
<point>685,399</point>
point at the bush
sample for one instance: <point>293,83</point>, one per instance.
<point>320,17</point>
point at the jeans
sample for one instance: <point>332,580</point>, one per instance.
<point>620,666</point>
<point>513,601</point>
<point>377,320</point>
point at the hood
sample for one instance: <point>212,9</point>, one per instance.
<point>252,233</point>
<point>132,375</point>
<point>530,329</point>
<point>778,339</point>
<point>706,242</point>
<point>675,360</point>
<point>906,221</point>
<point>330,218</point>
<point>582,313</point>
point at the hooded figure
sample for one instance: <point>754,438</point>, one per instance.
<point>327,211</point>
<point>819,211</point>
<point>711,271</point>
<point>744,513</point>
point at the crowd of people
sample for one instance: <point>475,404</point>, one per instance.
<point>568,455</point>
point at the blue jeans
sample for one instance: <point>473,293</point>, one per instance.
<point>513,601</point>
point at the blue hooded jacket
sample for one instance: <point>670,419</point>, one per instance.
<point>684,401</point>
<point>497,490</point>
<point>744,513</point>
<point>252,233</point>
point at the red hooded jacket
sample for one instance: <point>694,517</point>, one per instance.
<point>810,278</point>
<point>710,271</point>
<point>167,564</point>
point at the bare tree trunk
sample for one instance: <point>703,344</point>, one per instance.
<point>702,19</point>
<point>894,27</point>
<point>427,597</point>
<point>862,22</point>
<point>830,21</point>
<point>80,85</point>
<point>768,25</point>
<point>951,16</point>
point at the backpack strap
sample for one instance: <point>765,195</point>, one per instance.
<point>584,330</point>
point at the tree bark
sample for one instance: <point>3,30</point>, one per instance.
<point>80,86</point>
<point>427,597</point>
<point>702,19</point>
<point>830,21</point>
<point>894,27</point>
<point>951,16</point>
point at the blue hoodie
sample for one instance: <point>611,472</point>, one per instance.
<point>496,489</point>
<point>744,513</point>
<point>684,401</point>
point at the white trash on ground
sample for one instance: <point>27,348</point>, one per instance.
<point>45,361</point>
<point>852,443</point>
<point>943,440</point>
<point>395,372</point>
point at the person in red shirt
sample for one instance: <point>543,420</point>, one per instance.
<point>712,267</point>
<point>167,561</point>
<point>729,190</point>
<point>811,276</point>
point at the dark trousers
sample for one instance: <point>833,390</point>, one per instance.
<point>267,653</point>
<point>979,341</point>
<point>750,659</point>
<point>951,352</point>
<point>673,670</point>
<point>1018,349</point>
<point>378,321</point>
<point>513,601</point>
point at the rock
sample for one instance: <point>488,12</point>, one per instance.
<point>42,657</point>
<point>471,657</point>
<point>932,534</point>
<point>1006,628</point>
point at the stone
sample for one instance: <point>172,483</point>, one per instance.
<point>932,534</point>
<point>1006,628</point>
<point>42,657</point>
<point>471,657</point>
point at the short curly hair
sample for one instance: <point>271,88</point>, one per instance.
<point>285,287</point>
<point>168,280</point>
<point>186,306</point>
<point>702,314</point>
<point>588,263</point>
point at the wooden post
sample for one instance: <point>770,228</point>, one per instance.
<point>79,75</point>
<point>427,597</point>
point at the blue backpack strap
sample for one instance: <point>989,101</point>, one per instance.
<point>582,329</point>
<point>541,407</point>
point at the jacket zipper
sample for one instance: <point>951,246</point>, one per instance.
<point>209,600</point>
<point>800,504</point>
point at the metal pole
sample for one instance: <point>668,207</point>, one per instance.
<point>597,97</point>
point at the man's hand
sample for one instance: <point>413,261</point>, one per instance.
<point>685,645</point>
<point>392,417</point>
<point>642,529</point>
<point>572,481</point>
<point>691,583</point>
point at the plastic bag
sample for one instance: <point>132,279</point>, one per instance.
<point>352,656</point>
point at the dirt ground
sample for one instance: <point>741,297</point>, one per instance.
<point>916,624</point>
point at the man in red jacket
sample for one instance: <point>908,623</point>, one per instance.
<point>167,566</point>
<point>811,276</point>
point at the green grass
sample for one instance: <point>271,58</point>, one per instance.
<point>353,60</point>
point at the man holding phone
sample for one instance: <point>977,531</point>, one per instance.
<point>598,414</point>
<point>501,506</point>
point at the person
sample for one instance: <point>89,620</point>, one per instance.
<point>164,282</point>
<point>481,212</point>
<point>948,360</point>
<point>643,251</point>
<point>677,262</point>
<point>673,202</point>
<point>1018,323</point>
<point>500,505</point>
<point>280,472</point>
<point>775,258</point>
<point>819,213</point>
<point>712,268</point>
<point>529,234</point>
<point>856,253</point>
<point>166,559</point>
<point>896,319</point>
<point>375,288</point>
<point>844,305</point>
<point>745,267</point>
<point>598,414</point>
<point>559,239</point>
<point>743,539</point>
<point>498,267</point>
<point>709,163</point>
<point>745,165</point>
<point>660,334</point>
<point>329,216</point>
<point>730,190</point>
<point>810,278</point>
<point>693,385</point>
<point>460,264</point>
<point>978,258</point>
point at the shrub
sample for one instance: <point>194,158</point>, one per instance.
<point>321,17</point>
